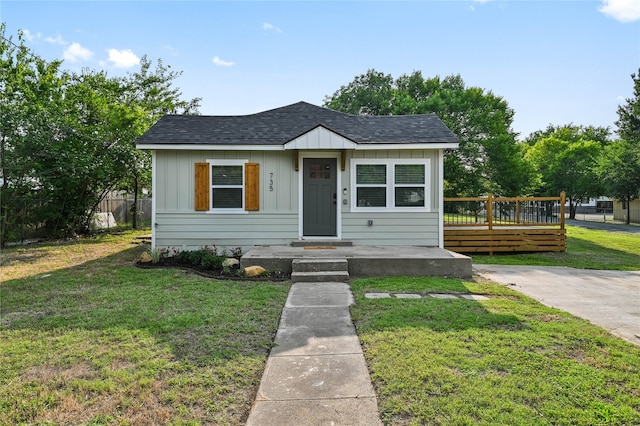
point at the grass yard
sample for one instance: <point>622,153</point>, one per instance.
<point>87,338</point>
<point>505,361</point>
<point>586,249</point>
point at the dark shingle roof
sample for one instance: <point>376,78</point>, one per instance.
<point>281,125</point>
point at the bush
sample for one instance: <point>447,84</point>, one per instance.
<point>190,257</point>
<point>212,261</point>
<point>206,258</point>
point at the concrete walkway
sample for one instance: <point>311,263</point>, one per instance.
<point>316,374</point>
<point>609,299</point>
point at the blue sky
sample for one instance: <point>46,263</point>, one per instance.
<point>555,62</point>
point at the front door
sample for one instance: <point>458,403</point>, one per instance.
<point>319,202</point>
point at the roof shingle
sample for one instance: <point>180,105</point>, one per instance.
<point>281,125</point>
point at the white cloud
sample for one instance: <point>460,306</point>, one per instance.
<point>29,36</point>
<point>270,27</point>
<point>76,52</point>
<point>57,40</point>
<point>219,62</point>
<point>621,10</point>
<point>621,99</point>
<point>123,58</point>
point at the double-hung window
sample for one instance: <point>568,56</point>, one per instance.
<point>227,185</point>
<point>398,184</point>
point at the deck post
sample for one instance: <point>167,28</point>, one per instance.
<point>518,210</point>
<point>489,209</point>
<point>563,200</point>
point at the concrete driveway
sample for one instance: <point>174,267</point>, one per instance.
<point>609,299</point>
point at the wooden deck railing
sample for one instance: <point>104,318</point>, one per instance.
<point>500,224</point>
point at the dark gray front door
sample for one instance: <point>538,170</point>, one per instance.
<point>319,200</point>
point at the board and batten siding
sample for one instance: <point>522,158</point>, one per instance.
<point>391,229</point>
<point>394,228</point>
<point>178,225</point>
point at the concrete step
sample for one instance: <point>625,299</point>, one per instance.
<point>319,265</point>
<point>320,276</point>
<point>321,243</point>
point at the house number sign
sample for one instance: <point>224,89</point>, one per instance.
<point>271,182</point>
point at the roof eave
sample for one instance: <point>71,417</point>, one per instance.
<point>210,147</point>
<point>283,147</point>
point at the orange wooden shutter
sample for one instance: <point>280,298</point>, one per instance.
<point>252,186</point>
<point>203,186</point>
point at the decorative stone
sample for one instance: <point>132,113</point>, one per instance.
<point>443,296</point>
<point>230,262</point>
<point>408,296</point>
<point>145,258</point>
<point>254,271</point>
<point>477,297</point>
<point>377,295</point>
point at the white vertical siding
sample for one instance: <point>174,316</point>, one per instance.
<point>180,226</point>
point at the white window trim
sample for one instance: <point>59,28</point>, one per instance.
<point>390,184</point>
<point>217,162</point>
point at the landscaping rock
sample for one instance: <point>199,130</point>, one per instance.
<point>254,271</point>
<point>230,262</point>
<point>145,258</point>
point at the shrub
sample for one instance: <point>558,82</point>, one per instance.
<point>207,258</point>
<point>190,257</point>
<point>212,261</point>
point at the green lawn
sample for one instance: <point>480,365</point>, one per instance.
<point>87,338</point>
<point>586,249</point>
<point>505,361</point>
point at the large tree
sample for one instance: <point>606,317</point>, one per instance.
<point>29,89</point>
<point>619,170</point>
<point>67,139</point>
<point>629,114</point>
<point>488,160</point>
<point>619,167</point>
<point>566,166</point>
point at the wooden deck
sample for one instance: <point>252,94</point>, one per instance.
<point>532,239</point>
<point>505,225</point>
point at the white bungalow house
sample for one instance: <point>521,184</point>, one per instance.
<point>299,172</point>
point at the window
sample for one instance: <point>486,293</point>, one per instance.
<point>390,184</point>
<point>409,180</point>
<point>227,186</point>
<point>371,185</point>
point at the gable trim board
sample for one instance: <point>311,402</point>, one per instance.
<point>184,149</point>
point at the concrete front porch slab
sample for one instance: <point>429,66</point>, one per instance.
<point>369,261</point>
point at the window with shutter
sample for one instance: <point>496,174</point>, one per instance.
<point>227,186</point>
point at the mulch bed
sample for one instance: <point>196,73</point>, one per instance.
<point>232,274</point>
